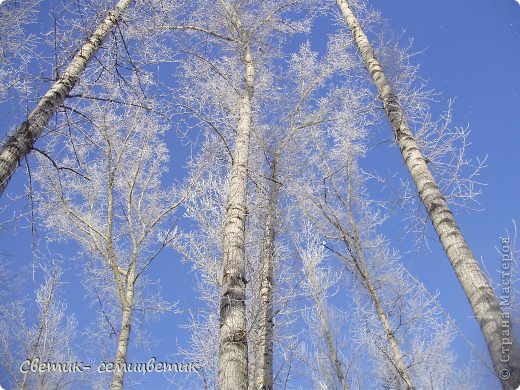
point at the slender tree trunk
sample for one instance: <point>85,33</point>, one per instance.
<point>265,347</point>
<point>253,358</point>
<point>397,354</point>
<point>41,330</point>
<point>359,261</point>
<point>124,336</point>
<point>253,339</point>
<point>494,323</point>
<point>332,347</point>
<point>333,353</point>
<point>21,142</point>
<point>233,341</point>
<point>125,288</point>
<point>127,305</point>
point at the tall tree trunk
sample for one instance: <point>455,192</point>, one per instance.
<point>495,324</point>
<point>21,142</point>
<point>233,341</point>
<point>265,347</point>
<point>360,264</point>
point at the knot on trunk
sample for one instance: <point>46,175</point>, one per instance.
<point>238,336</point>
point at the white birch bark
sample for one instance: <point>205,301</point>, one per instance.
<point>233,342</point>
<point>126,288</point>
<point>484,302</point>
<point>265,342</point>
<point>124,336</point>
<point>21,142</point>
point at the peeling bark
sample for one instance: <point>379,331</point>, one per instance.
<point>484,302</point>
<point>21,142</point>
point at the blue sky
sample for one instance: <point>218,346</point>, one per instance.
<point>470,51</point>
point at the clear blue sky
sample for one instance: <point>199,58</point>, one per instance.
<point>471,51</point>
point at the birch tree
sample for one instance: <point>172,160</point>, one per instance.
<point>110,200</point>
<point>318,280</point>
<point>332,195</point>
<point>347,233</point>
<point>263,249</point>
<point>252,34</point>
<point>233,344</point>
<point>292,111</point>
<point>289,109</point>
<point>48,339</point>
<point>19,144</point>
<point>397,324</point>
<point>484,302</point>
